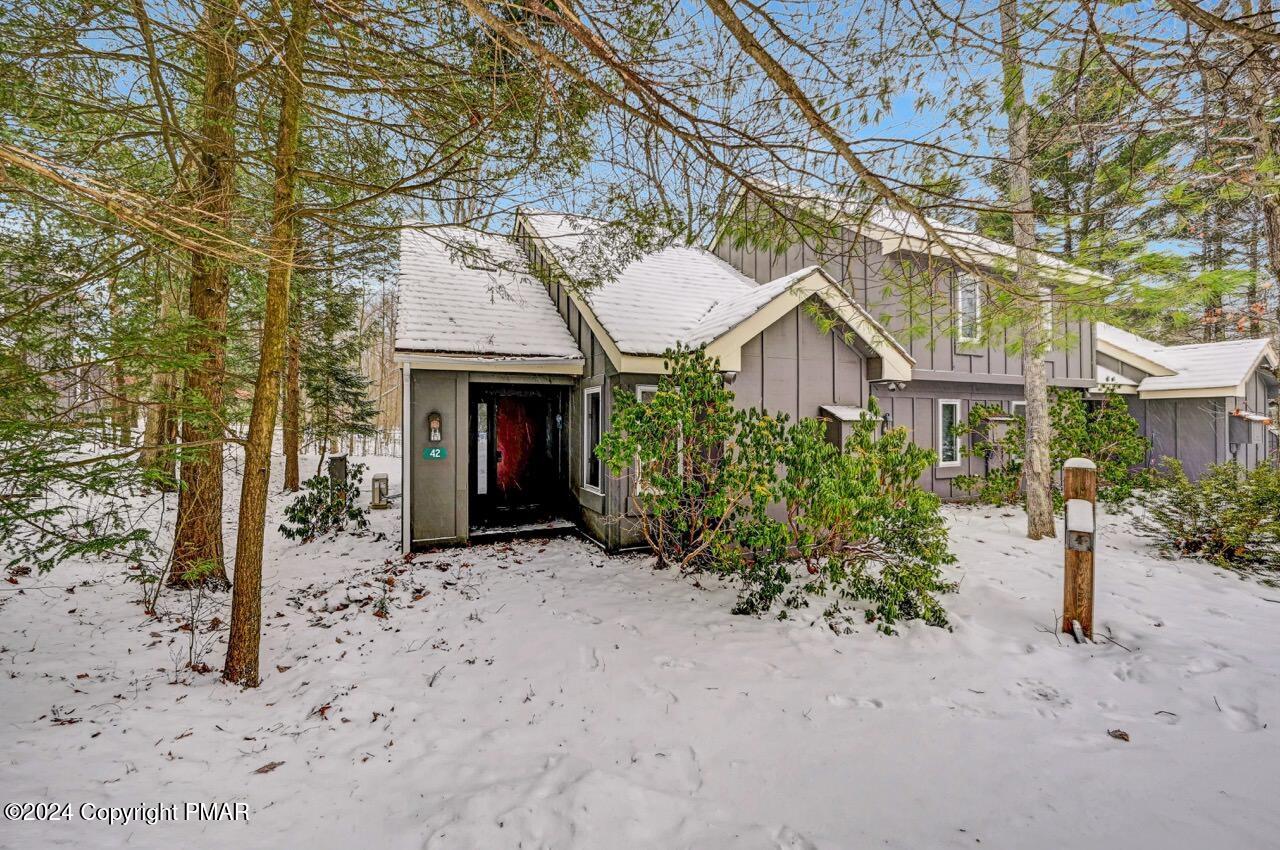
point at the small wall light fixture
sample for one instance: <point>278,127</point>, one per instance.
<point>435,424</point>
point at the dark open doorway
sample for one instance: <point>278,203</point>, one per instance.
<point>519,454</point>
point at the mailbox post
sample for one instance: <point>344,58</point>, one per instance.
<point>1080,489</point>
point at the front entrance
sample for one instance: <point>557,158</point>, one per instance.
<point>519,457</point>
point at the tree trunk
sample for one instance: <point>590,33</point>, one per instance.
<point>158,437</point>
<point>121,432</point>
<point>198,534</point>
<point>1037,478</point>
<point>246,598</point>
<point>292,412</point>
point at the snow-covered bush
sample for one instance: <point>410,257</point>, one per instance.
<point>1230,516</point>
<point>864,530</point>
<point>1105,433</point>
<point>322,508</point>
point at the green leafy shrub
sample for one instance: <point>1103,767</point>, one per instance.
<point>321,508</point>
<point>703,464</point>
<point>856,526</point>
<point>1105,433</point>
<point>1229,517</point>
<point>863,528</point>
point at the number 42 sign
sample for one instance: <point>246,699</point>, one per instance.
<point>434,453</point>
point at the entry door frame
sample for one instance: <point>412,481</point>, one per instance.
<point>483,507</point>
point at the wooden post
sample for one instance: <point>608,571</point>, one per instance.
<point>1080,489</point>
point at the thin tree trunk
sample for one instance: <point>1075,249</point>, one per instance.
<point>292,411</point>
<point>198,533</point>
<point>1037,478</point>
<point>121,433</point>
<point>157,453</point>
<point>246,598</point>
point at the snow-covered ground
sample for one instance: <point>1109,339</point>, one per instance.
<point>541,694</point>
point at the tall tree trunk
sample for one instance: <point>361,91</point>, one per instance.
<point>292,411</point>
<point>198,533</point>
<point>246,598</point>
<point>1037,480</point>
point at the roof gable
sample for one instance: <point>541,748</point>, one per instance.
<point>1221,368</point>
<point>689,296</point>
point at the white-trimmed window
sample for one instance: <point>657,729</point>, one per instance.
<point>968,297</point>
<point>592,425</point>
<point>1018,408</point>
<point>644,393</point>
<point>948,432</point>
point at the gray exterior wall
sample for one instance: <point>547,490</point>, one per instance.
<point>865,272</point>
<point>790,368</point>
<point>1201,431</point>
<point>1193,430</point>
<point>916,409</point>
<point>438,496</point>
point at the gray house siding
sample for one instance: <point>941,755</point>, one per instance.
<point>791,368</point>
<point>916,409</point>
<point>1202,431</point>
<point>794,368</point>
<point>945,368</point>
<point>439,488</point>
<point>1190,429</point>
<point>865,273</point>
<point>1249,443</point>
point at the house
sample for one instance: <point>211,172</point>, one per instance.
<point>957,365</point>
<point>1202,404</point>
<point>509,374</point>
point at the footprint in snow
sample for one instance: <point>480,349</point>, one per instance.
<point>670,768</point>
<point>666,662</point>
<point>592,660</point>
<point>788,839</point>
<point>1241,718</point>
<point>842,701</point>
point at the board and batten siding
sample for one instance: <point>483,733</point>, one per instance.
<point>859,265</point>
<point>917,409</point>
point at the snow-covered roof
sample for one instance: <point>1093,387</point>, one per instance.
<point>685,295</point>
<point>658,300</point>
<point>689,295</point>
<point>1210,364</point>
<point>1187,368</point>
<point>898,230</point>
<point>975,245</point>
<point>464,292</point>
<point>845,412</point>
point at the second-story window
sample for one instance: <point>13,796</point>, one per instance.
<point>968,308</point>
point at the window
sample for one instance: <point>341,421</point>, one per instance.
<point>948,438</point>
<point>968,309</point>
<point>1018,408</point>
<point>644,393</point>
<point>592,413</point>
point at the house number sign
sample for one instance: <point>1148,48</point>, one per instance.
<point>434,453</point>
